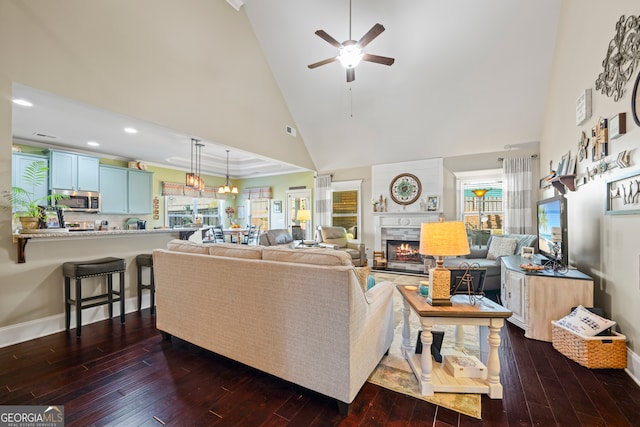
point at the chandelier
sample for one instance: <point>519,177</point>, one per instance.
<point>193,178</point>
<point>226,188</point>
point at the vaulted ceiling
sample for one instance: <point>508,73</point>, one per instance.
<point>469,76</point>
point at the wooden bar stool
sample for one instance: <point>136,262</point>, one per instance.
<point>146,260</point>
<point>83,269</point>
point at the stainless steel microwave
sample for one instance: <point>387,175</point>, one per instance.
<point>79,201</point>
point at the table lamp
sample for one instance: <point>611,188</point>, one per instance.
<point>441,239</point>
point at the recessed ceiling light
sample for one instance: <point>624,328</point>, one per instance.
<point>93,143</point>
<point>130,130</point>
<point>22,102</point>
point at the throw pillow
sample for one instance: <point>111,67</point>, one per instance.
<point>583,322</point>
<point>371,282</point>
<point>501,246</point>
<point>362,273</point>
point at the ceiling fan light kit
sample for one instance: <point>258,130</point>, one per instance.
<point>350,52</point>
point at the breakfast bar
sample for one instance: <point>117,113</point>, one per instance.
<point>53,234</point>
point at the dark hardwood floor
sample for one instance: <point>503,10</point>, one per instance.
<point>128,376</point>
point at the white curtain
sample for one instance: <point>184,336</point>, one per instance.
<point>517,189</point>
<point>322,214</point>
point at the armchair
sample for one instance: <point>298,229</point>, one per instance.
<point>336,237</point>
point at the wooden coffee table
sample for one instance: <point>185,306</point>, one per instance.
<point>433,376</point>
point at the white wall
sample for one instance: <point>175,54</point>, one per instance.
<point>605,247</point>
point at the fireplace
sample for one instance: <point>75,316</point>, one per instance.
<point>404,255</point>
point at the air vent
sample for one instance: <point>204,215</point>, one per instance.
<point>290,130</point>
<point>44,135</point>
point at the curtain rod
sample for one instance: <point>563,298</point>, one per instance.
<point>533,156</point>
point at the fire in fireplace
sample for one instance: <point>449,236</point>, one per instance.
<point>404,251</point>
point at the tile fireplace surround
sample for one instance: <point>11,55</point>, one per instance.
<point>403,226</point>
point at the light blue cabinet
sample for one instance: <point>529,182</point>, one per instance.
<point>125,191</point>
<point>140,191</point>
<point>71,171</point>
<point>19,162</point>
<point>113,194</point>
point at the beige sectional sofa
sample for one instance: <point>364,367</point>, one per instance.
<point>298,314</point>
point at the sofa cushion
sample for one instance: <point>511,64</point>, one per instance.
<point>188,246</point>
<point>523,240</point>
<point>234,250</point>
<point>501,246</point>
<point>362,273</point>
<point>315,256</point>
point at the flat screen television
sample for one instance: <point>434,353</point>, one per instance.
<point>552,229</point>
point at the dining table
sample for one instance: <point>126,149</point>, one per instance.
<point>239,233</point>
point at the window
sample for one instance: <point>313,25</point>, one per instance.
<point>182,211</point>
<point>345,197</point>
<point>480,205</point>
<point>259,211</point>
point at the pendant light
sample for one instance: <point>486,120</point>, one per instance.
<point>226,188</point>
<point>193,178</point>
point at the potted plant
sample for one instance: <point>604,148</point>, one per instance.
<point>28,206</point>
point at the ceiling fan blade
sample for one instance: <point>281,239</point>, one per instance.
<point>384,60</point>
<point>326,37</point>
<point>351,74</point>
<point>323,62</point>
<point>371,34</point>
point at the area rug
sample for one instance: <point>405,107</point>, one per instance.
<point>394,372</point>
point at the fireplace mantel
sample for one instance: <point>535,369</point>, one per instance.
<point>408,220</point>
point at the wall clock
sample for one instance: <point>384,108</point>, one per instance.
<point>405,189</point>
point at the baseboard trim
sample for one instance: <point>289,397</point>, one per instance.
<point>21,332</point>
<point>633,366</point>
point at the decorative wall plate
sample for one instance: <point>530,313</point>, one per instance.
<point>405,189</point>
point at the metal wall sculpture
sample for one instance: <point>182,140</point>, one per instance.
<point>622,58</point>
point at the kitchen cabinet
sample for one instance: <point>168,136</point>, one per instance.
<point>20,162</point>
<point>140,191</point>
<point>125,191</point>
<point>113,190</point>
<point>537,298</point>
<point>71,171</point>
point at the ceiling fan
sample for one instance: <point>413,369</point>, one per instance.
<point>350,51</point>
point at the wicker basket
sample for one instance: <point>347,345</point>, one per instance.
<point>599,352</point>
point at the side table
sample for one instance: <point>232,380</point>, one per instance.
<point>485,313</point>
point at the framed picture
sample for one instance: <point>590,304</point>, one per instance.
<point>433,203</point>
<point>563,166</point>
<point>583,106</point>
<point>277,206</point>
<point>51,219</point>
<point>623,194</point>
<point>240,212</point>
<point>617,126</point>
<point>526,252</point>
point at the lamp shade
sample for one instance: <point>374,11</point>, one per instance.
<point>443,239</point>
<point>480,192</point>
<point>304,215</point>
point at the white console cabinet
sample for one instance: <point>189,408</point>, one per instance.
<point>537,298</point>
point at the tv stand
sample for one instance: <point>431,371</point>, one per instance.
<point>538,297</point>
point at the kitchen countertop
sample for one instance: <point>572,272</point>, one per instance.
<point>52,233</point>
<point>43,234</point>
